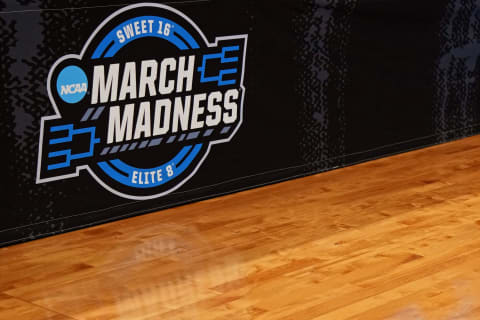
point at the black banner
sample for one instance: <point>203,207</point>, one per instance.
<point>117,108</point>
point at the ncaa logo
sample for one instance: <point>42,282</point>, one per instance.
<point>72,84</point>
<point>153,96</point>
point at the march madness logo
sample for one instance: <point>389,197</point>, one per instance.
<point>143,104</point>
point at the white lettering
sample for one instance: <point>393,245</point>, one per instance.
<point>231,106</point>
<point>120,128</point>
<point>105,90</point>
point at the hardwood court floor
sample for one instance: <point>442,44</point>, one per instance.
<point>397,238</point>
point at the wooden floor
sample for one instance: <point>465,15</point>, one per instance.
<point>397,238</point>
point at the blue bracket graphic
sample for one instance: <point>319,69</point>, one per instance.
<point>67,153</point>
<point>221,56</point>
